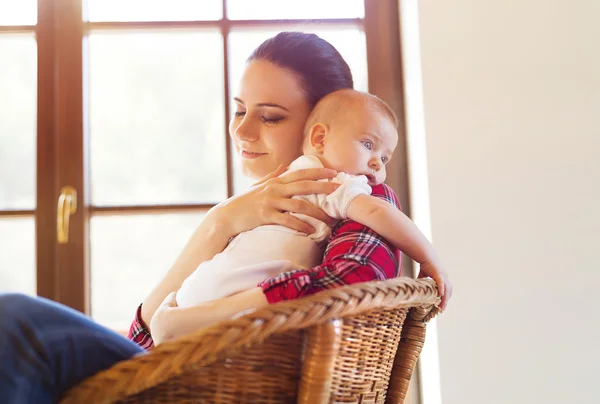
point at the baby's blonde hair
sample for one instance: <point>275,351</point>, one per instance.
<point>334,105</point>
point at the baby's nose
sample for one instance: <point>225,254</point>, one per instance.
<point>375,164</point>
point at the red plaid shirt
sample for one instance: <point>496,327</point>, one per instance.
<point>355,253</point>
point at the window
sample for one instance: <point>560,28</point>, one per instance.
<point>18,73</point>
<point>130,101</point>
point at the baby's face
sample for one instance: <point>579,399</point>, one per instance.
<point>361,144</point>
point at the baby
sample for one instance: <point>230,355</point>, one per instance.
<point>354,133</point>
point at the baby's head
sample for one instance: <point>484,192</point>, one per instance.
<point>352,132</point>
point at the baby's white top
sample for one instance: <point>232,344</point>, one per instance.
<point>336,203</point>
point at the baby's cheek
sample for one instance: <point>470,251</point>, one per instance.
<point>350,167</point>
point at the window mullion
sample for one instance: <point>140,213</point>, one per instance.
<point>73,271</point>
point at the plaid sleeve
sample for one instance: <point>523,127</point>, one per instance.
<point>355,253</point>
<point>138,331</point>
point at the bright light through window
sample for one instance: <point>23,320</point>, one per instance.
<point>153,10</point>
<point>278,9</point>
<point>18,12</point>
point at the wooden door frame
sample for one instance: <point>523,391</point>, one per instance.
<point>46,172</point>
<point>62,269</point>
<point>386,80</point>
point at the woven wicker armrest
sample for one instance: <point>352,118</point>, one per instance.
<point>268,346</point>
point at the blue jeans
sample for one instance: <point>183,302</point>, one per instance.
<point>47,348</point>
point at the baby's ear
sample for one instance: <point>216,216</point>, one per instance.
<point>317,135</point>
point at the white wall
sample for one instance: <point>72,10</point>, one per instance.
<point>512,117</point>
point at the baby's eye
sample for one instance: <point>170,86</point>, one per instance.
<point>368,144</point>
<point>385,159</point>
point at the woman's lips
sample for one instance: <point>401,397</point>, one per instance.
<point>251,155</point>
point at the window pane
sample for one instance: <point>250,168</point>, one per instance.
<point>18,12</point>
<point>157,130</point>
<point>277,9</point>
<point>129,255</point>
<point>17,260</point>
<point>154,10</point>
<point>349,41</point>
<point>18,96</point>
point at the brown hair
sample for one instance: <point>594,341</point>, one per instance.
<point>319,66</point>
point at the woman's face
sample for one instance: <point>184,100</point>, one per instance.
<point>268,123</point>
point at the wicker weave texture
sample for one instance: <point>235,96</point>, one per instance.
<point>264,374</point>
<point>364,363</point>
<point>258,357</point>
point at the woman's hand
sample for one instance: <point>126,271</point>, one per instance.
<point>161,326</point>
<point>440,276</point>
<point>171,322</point>
<point>269,201</point>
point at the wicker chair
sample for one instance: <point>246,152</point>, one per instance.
<point>354,344</point>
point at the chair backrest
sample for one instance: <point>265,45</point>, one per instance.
<point>355,344</point>
<point>409,350</point>
<point>362,349</point>
<point>368,358</point>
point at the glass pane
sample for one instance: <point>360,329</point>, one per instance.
<point>18,12</point>
<point>129,255</point>
<point>349,41</point>
<point>18,97</point>
<point>277,9</point>
<point>157,129</point>
<point>154,10</point>
<point>17,260</point>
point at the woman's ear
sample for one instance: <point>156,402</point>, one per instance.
<point>317,135</point>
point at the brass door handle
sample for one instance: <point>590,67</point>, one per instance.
<point>67,206</point>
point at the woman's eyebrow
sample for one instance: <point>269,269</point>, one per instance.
<point>269,104</point>
<point>264,104</point>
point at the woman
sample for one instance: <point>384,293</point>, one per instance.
<point>48,348</point>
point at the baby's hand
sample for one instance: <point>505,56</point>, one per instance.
<point>435,271</point>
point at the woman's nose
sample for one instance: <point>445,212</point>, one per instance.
<point>246,131</point>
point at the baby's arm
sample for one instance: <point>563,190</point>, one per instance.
<point>398,229</point>
<point>393,225</point>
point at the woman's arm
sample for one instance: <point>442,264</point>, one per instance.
<point>374,259</point>
<point>264,203</point>
<point>171,322</point>
<point>209,239</point>
<point>354,254</point>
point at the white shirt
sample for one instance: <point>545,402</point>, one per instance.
<point>336,203</point>
<point>267,251</point>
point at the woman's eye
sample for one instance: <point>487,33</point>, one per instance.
<point>368,144</point>
<point>239,114</point>
<point>271,120</point>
